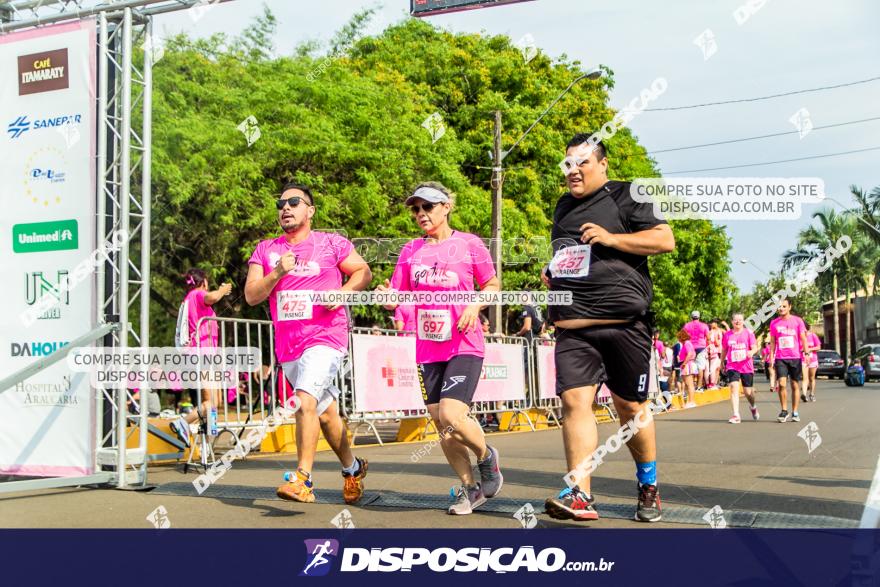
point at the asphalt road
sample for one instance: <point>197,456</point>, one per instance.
<point>704,461</point>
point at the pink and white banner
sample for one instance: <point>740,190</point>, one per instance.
<point>504,376</point>
<point>546,373</point>
<point>47,162</point>
<point>385,373</point>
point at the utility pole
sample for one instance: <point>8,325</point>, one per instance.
<point>495,320</point>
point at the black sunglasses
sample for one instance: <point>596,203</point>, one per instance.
<point>418,208</point>
<point>294,202</point>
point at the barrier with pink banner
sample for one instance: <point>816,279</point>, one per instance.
<point>385,376</point>
<point>385,380</point>
<point>504,375</point>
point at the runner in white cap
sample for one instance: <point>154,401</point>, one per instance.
<point>310,340</point>
<point>449,338</point>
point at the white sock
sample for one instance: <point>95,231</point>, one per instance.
<point>353,469</point>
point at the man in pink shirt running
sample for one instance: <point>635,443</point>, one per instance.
<point>788,336</point>
<point>310,340</point>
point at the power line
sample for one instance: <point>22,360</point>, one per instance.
<point>778,134</point>
<point>774,162</point>
<point>864,81</point>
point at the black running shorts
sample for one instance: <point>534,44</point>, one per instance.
<point>618,355</point>
<point>792,368</point>
<point>456,378</point>
<point>747,379</point>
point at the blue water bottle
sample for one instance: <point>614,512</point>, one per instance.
<point>212,422</point>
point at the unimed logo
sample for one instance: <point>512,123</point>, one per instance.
<point>320,554</point>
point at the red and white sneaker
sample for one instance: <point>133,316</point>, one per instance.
<point>734,419</point>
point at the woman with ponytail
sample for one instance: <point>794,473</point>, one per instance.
<point>198,304</point>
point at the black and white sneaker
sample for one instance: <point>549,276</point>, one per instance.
<point>783,416</point>
<point>648,509</point>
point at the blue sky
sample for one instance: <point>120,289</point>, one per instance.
<point>785,45</point>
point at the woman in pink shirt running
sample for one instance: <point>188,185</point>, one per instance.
<point>198,304</point>
<point>689,370</point>
<point>811,365</point>
<point>714,349</point>
<point>449,338</point>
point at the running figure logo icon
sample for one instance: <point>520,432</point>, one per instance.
<point>320,554</point>
<point>715,517</point>
<point>810,434</point>
<point>526,516</point>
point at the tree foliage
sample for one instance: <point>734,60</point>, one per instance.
<point>348,123</point>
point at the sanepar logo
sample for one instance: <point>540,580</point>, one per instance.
<point>442,560</point>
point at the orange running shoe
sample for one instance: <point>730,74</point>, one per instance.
<point>353,488</point>
<point>299,487</point>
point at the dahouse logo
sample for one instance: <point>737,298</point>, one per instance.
<point>43,72</point>
<point>37,286</point>
<point>23,124</point>
<point>34,349</point>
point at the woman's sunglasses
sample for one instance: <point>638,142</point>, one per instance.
<point>294,202</point>
<point>417,209</point>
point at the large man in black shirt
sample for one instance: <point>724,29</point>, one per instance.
<point>601,240</point>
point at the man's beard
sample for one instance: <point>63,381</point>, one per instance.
<point>293,227</point>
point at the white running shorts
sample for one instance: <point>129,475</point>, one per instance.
<point>315,373</point>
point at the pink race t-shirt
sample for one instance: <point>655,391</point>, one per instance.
<point>196,310</point>
<point>698,331</point>
<point>787,334</point>
<point>687,347</point>
<point>738,345</point>
<point>812,341</point>
<point>451,265</point>
<point>407,315</point>
<point>658,346</point>
<point>299,324</point>
<point>765,354</point>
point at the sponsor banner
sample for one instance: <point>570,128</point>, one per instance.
<point>385,373</point>
<point>546,375</point>
<point>43,72</point>
<point>546,371</point>
<point>47,141</point>
<point>504,374</point>
<point>437,556</point>
<point>42,237</point>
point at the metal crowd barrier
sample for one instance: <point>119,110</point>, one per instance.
<point>360,419</point>
<point>256,393</point>
<point>551,408</point>
<point>520,408</point>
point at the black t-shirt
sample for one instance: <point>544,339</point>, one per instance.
<point>537,320</point>
<point>618,285</point>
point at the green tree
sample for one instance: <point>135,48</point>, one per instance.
<point>348,123</point>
